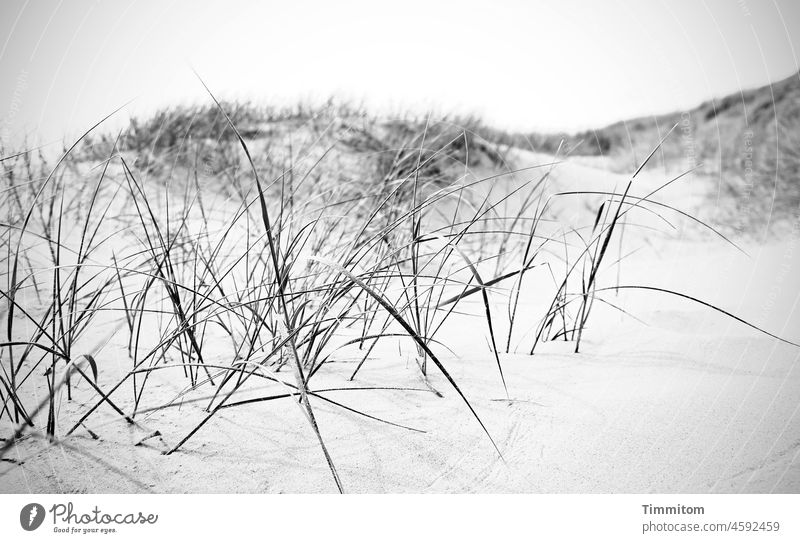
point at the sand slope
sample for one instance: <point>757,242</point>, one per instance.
<point>682,400</point>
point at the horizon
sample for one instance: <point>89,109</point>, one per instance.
<point>569,72</point>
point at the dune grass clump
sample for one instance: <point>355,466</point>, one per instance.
<point>226,246</point>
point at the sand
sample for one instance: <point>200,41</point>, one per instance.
<point>671,397</point>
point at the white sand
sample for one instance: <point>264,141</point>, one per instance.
<point>687,401</point>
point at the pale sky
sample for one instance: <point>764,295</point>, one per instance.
<point>522,65</point>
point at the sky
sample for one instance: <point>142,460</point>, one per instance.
<point>522,65</point>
